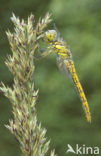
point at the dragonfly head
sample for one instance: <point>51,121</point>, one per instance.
<point>50,36</point>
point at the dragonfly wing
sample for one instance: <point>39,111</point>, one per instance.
<point>62,67</point>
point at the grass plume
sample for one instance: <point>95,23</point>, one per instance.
<point>25,126</point>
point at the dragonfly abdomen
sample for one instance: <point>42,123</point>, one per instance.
<point>71,68</point>
<point>82,96</point>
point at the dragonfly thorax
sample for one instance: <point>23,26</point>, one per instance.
<point>50,36</point>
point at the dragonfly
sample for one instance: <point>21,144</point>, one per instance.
<point>65,62</point>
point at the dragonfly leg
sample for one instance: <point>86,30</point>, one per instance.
<point>43,53</point>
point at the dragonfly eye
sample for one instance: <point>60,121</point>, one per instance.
<point>50,35</point>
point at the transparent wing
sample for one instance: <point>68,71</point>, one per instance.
<point>62,67</point>
<point>58,33</point>
<point>60,38</point>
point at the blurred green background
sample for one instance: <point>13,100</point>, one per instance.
<point>59,107</point>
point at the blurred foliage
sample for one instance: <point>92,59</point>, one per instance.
<point>59,107</point>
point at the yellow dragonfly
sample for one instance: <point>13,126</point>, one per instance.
<point>65,61</point>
